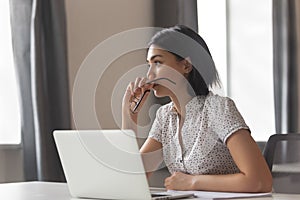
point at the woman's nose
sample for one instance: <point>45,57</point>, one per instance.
<point>150,73</point>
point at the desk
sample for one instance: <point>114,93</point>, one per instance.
<point>59,191</point>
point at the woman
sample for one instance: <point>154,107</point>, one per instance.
<point>202,137</point>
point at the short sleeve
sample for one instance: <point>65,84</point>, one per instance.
<point>227,119</point>
<point>156,129</point>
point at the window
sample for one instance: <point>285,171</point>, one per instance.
<point>239,34</point>
<point>10,128</point>
<point>212,27</point>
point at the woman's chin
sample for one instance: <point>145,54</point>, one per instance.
<point>157,93</point>
<point>160,91</point>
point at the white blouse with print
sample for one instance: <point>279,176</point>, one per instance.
<point>209,121</point>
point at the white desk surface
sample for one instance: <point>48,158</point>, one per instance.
<point>59,191</point>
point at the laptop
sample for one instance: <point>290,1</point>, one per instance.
<point>106,164</point>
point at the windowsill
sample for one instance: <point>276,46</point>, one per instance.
<point>10,146</point>
<point>286,168</point>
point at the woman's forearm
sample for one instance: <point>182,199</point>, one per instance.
<point>129,121</point>
<point>231,183</point>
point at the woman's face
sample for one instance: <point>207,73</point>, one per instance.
<point>163,64</point>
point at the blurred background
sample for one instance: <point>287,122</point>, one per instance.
<point>44,44</point>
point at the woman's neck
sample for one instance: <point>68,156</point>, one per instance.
<point>180,103</point>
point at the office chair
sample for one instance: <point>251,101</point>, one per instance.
<point>282,154</point>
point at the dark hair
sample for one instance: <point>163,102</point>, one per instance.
<point>183,42</point>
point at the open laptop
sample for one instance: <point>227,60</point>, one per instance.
<point>105,164</point>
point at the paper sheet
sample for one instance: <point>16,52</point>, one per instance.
<point>224,195</point>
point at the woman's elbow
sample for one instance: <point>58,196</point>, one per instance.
<point>261,184</point>
<point>266,185</point>
<point>266,181</point>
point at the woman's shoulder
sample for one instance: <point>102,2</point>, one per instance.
<point>166,108</point>
<point>218,101</point>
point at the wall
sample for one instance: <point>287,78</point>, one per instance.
<point>89,23</point>
<point>11,165</point>
<point>2,166</point>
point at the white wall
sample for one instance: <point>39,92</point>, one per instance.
<point>89,23</point>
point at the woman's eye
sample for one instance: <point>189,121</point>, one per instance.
<point>157,62</point>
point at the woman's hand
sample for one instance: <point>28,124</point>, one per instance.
<point>133,94</point>
<point>179,181</point>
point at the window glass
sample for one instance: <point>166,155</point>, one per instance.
<point>247,68</point>
<point>212,27</point>
<point>9,106</point>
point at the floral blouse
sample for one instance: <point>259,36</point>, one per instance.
<point>202,149</point>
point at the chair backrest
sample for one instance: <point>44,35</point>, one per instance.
<point>271,145</point>
<point>282,154</point>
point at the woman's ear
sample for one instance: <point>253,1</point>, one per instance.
<point>188,66</point>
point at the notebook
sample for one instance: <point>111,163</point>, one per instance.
<point>105,164</point>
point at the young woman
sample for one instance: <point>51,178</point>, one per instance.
<point>202,137</point>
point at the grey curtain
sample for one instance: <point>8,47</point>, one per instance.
<point>20,22</point>
<point>286,37</point>
<point>171,12</point>
<point>40,49</point>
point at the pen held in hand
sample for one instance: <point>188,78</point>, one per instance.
<point>153,81</point>
<point>149,82</point>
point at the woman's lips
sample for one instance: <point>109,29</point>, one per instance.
<point>155,85</point>
<point>160,79</point>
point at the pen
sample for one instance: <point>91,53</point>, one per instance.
<point>160,79</point>
<point>149,82</point>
